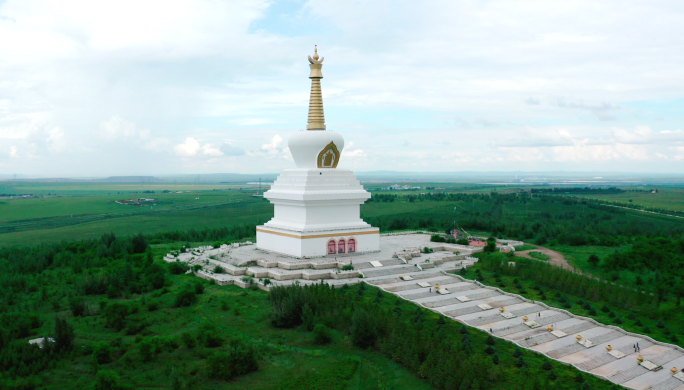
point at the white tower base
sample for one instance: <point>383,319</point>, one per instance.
<point>316,213</point>
<point>301,245</point>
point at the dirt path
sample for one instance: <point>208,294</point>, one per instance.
<point>555,258</point>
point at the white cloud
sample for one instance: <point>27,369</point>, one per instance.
<point>209,150</point>
<point>56,139</point>
<point>116,127</point>
<point>352,152</point>
<point>273,147</point>
<point>13,153</point>
<point>188,148</point>
<point>230,150</point>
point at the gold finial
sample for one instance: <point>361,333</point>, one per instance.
<point>316,117</point>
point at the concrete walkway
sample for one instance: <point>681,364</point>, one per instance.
<point>480,306</point>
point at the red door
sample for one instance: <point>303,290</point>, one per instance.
<point>352,245</point>
<point>341,246</point>
<point>332,247</point>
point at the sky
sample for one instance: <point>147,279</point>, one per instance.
<point>148,87</point>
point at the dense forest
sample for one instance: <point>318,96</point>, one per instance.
<point>544,219</point>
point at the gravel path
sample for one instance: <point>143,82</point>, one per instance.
<point>555,258</point>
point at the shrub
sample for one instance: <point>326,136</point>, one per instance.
<point>490,350</point>
<point>199,288</point>
<point>188,340</point>
<point>594,260</point>
<point>101,353</point>
<point>517,353</point>
<point>64,335</point>
<point>495,359</point>
<point>185,297</point>
<point>437,238</point>
<point>177,268</point>
<point>463,241</point>
<point>208,336</point>
<point>618,320</point>
<point>322,334</point>
<point>152,306</point>
<point>107,380</point>
<point>114,314</point>
<point>148,349</point>
<point>520,362</point>
<point>547,366</point>
<point>552,375</point>
<point>348,267</point>
<point>490,340</point>
<point>239,360</point>
<point>364,329</point>
<point>219,270</point>
<point>660,324</point>
<point>77,306</point>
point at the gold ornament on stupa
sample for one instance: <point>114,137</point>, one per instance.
<point>501,309</point>
<point>640,358</point>
<point>525,318</point>
<point>578,337</point>
<point>673,370</point>
<point>549,328</point>
<point>609,348</point>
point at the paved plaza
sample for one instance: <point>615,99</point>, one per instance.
<point>402,269</point>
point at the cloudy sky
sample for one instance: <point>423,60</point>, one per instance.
<point>137,87</point>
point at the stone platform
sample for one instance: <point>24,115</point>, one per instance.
<point>399,255</point>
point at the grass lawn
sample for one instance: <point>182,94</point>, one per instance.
<point>539,256</point>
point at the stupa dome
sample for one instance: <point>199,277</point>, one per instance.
<point>314,149</point>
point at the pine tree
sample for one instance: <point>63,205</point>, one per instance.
<point>552,375</point>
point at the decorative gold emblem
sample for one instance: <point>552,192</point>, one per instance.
<point>329,156</point>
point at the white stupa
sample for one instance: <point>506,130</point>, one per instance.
<point>316,205</point>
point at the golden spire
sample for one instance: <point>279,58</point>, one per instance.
<point>316,116</point>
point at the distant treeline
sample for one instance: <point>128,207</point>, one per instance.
<point>543,218</point>
<point>577,190</point>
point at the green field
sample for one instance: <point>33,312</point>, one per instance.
<point>671,198</point>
